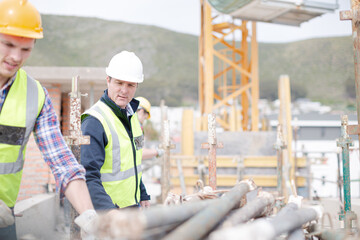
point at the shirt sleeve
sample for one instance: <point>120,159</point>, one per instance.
<point>52,145</point>
<point>143,194</point>
<point>93,157</point>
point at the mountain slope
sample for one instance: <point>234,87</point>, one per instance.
<point>321,69</point>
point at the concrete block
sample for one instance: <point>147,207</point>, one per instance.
<point>39,217</point>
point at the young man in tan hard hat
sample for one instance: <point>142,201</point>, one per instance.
<point>113,158</point>
<point>27,109</point>
<point>143,113</point>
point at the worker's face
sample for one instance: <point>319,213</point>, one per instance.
<point>142,115</point>
<point>121,92</point>
<point>13,53</point>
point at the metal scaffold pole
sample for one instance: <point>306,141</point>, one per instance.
<point>279,146</point>
<point>166,145</point>
<point>345,142</point>
<point>75,140</point>
<point>211,145</point>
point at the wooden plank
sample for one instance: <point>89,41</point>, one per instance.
<point>231,162</point>
<point>230,180</point>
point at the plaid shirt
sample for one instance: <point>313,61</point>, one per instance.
<point>51,143</point>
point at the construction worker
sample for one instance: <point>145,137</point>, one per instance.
<point>25,107</point>
<point>113,158</point>
<point>143,113</point>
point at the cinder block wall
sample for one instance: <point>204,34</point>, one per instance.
<point>37,177</point>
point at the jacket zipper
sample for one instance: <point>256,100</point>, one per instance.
<point>136,174</point>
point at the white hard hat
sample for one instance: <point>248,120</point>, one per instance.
<point>126,66</point>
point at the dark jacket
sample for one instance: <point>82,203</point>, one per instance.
<point>93,155</point>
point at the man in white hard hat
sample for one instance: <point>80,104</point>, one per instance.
<point>28,109</point>
<point>113,158</point>
<point>143,113</point>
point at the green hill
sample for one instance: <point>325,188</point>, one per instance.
<point>321,69</point>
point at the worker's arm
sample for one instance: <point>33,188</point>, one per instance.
<point>92,158</point>
<point>78,195</point>
<point>149,153</point>
<point>56,153</point>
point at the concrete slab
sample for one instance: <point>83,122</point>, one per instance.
<point>39,218</point>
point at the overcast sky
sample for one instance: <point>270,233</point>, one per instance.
<point>184,16</point>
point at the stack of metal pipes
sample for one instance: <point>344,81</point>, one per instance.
<point>225,217</point>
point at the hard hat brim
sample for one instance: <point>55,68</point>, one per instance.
<point>21,32</point>
<point>124,77</point>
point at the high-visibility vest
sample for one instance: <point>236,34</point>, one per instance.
<point>121,171</point>
<point>22,106</point>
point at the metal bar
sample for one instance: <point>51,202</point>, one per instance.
<point>339,181</point>
<point>203,222</point>
<point>253,209</point>
<point>181,176</point>
<point>293,220</point>
<point>75,140</point>
<point>287,220</point>
<point>279,146</point>
<point>297,234</point>
<point>135,224</point>
<point>212,150</point>
<point>344,142</point>
<point>165,174</point>
<point>346,178</point>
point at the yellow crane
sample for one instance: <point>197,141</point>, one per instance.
<point>228,55</point>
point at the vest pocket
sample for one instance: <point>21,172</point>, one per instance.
<point>12,135</point>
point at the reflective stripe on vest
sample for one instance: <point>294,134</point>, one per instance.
<point>119,183</point>
<point>116,174</point>
<point>20,109</point>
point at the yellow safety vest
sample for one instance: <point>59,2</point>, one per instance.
<point>121,171</point>
<point>22,106</point>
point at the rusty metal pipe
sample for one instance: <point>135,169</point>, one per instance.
<point>286,221</point>
<point>297,234</point>
<point>292,220</point>
<point>212,151</point>
<point>253,209</point>
<point>75,140</point>
<point>203,222</point>
<point>135,224</point>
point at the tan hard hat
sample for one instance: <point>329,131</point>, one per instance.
<point>20,18</point>
<point>145,104</point>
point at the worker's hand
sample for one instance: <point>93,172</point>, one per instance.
<point>160,152</point>
<point>145,204</point>
<point>6,216</point>
<point>87,221</point>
